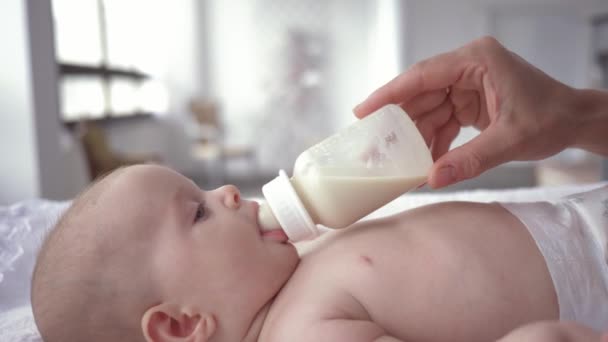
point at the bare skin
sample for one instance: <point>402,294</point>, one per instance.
<point>417,276</point>
<point>549,331</point>
<point>193,265</point>
<point>522,113</point>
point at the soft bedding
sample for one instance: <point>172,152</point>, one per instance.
<point>23,227</point>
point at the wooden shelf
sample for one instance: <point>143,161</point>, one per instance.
<point>108,118</point>
<point>103,71</point>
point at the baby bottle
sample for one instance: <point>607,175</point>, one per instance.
<point>347,176</point>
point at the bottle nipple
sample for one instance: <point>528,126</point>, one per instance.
<point>266,218</point>
<point>284,210</point>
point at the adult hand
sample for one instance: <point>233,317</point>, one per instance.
<point>523,113</point>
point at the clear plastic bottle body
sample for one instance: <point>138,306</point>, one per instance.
<point>359,169</point>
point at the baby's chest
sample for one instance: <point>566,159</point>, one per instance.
<point>360,284</point>
<point>369,264</point>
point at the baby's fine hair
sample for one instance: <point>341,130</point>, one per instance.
<point>74,290</point>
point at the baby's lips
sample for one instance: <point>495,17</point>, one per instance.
<point>265,218</point>
<point>276,234</point>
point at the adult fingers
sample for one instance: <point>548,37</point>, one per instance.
<point>467,106</point>
<point>435,73</point>
<point>429,123</point>
<point>444,138</point>
<point>487,150</point>
<point>424,103</point>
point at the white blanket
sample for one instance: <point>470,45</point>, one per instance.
<point>22,229</point>
<point>24,225</point>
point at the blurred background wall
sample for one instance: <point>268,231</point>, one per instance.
<point>232,90</point>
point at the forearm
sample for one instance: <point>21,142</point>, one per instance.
<point>590,114</point>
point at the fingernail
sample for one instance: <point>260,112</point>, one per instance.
<point>356,107</point>
<point>446,175</point>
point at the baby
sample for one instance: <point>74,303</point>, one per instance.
<point>145,255</point>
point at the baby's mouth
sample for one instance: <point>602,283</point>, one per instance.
<point>275,235</point>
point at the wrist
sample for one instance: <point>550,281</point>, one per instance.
<point>589,114</point>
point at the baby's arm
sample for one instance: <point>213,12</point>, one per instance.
<point>343,330</point>
<point>550,331</point>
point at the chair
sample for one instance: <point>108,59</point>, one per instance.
<point>209,142</point>
<point>101,158</point>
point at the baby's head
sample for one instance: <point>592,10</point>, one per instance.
<point>146,254</point>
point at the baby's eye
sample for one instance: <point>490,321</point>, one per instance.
<point>200,213</point>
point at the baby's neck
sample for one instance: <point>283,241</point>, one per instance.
<point>258,323</point>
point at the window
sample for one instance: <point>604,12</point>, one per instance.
<point>102,60</point>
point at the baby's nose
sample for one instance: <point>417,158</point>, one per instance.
<point>232,196</point>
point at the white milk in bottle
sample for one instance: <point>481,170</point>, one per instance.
<point>347,176</point>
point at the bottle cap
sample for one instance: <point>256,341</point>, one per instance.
<point>288,209</point>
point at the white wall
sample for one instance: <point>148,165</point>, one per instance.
<point>366,52</point>
<point>234,77</point>
<point>19,168</point>
<point>555,35</point>
<point>556,40</point>
<point>351,77</point>
<point>435,26</point>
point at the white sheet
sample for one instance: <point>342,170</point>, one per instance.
<point>23,226</point>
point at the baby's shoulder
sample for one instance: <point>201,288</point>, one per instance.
<point>314,295</point>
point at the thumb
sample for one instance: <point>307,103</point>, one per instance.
<point>489,149</point>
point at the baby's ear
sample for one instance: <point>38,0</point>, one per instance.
<point>173,323</point>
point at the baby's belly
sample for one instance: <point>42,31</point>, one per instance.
<point>454,271</point>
